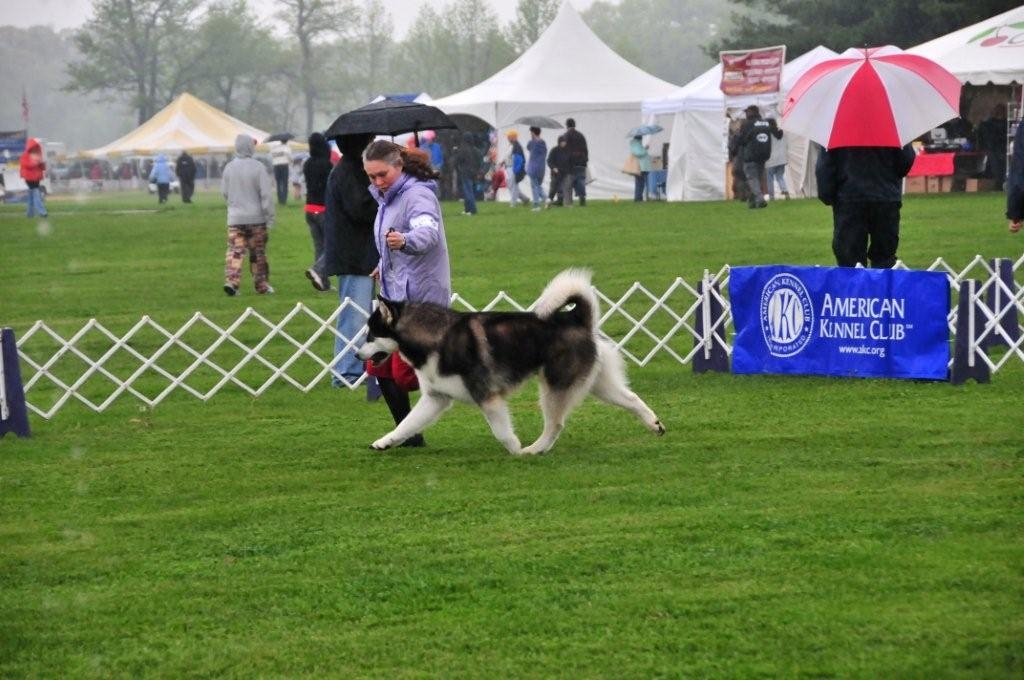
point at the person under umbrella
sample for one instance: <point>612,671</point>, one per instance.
<point>349,251</point>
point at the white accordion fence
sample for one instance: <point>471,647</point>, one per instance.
<point>149,362</point>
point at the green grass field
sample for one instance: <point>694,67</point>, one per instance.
<point>784,527</point>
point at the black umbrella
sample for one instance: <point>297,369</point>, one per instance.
<point>538,121</point>
<point>279,137</point>
<point>389,117</point>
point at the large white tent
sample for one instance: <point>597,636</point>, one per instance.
<point>696,115</point>
<point>990,51</point>
<point>568,73</point>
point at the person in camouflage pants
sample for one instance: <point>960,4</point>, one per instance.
<point>251,238</point>
<point>246,186</point>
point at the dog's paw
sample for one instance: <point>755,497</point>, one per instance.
<point>658,428</point>
<point>381,444</point>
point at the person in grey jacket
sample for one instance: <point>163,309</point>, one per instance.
<point>249,193</point>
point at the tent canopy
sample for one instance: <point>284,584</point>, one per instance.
<point>697,151</point>
<point>596,86</point>
<point>990,51</point>
<point>187,123</point>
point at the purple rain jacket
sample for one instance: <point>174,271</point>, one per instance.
<point>419,272</point>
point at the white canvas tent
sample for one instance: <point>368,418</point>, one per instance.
<point>187,123</point>
<point>990,51</point>
<point>568,73</point>
<point>696,112</point>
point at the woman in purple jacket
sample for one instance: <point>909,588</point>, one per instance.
<point>409,233</point>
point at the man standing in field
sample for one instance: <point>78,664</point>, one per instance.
<point>246,186</point>
<point>864,186</point>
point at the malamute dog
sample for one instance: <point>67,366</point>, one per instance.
<point>482,357</point>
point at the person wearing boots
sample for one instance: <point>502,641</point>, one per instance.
<point>409,233</point>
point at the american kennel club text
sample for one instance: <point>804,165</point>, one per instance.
<point>858,318</point>
<point>788,317</point>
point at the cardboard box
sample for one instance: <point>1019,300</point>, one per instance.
<point>946,183</point>
<point>915,185</point>
<point>932,184</point>
<point>981,184</point>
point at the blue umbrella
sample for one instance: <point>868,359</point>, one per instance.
<point>644,130</point>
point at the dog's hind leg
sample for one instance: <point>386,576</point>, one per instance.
<point>611,387</point>
<point>495,410</point>
<point>424,414</point>
<point>556,405</point>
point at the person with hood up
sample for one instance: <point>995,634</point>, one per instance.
<point>409,233</point>
<point>467,165</point>
<point>315,171</point>
<point>349,251</point>
<point>535,166</point>
<point>161,175</point>
<point>185,169</point>
<point>249,193</point>
<point>561,169</point>
<point>33,169</point>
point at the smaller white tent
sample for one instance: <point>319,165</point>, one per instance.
<point>990,51</point>
<point>568,73</point>
<point>696,113</point>
<point>187,123</point>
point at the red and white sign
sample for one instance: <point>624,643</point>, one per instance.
<point>746,72</point>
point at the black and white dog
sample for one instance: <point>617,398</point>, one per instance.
<point>482,357</point>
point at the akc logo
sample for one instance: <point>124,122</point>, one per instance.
<point>787,315</point>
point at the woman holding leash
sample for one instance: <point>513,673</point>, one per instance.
<point>413,266</point>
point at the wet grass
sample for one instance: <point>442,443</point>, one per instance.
<point>783,527</point>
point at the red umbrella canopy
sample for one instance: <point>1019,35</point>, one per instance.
<point>875,96</point>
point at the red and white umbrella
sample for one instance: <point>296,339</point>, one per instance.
<point>876,96</point>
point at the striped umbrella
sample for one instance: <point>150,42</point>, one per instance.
<point>876,96</point>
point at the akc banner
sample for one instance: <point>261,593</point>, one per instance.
<point>840,321</point>
<point>746,72</point>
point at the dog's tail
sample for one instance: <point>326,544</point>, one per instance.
<point>570,287</point>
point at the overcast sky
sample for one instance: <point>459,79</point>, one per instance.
<point>72,13</point>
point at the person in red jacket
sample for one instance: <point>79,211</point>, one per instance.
<point>33,168</point>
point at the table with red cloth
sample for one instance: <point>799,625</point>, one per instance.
<point>946,163</point>
<point>932,164</point>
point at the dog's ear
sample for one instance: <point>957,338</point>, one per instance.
<point>388,310</point>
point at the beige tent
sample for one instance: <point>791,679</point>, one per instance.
<point>187,123</point>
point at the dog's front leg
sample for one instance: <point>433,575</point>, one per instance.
<point>496,412</point>
<point>424,414</point>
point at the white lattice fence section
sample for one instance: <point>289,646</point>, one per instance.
<point>96,365</point>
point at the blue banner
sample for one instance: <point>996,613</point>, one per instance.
<point>840,321</point>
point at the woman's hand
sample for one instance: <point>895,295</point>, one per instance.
<point>395,240</point>
<point>375,274</point>
<point>1015,226</point>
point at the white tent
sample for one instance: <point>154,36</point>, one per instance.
<point>186,123</point>
<point>990,51</point>
<point>568,73</point>
<point>696,113</point>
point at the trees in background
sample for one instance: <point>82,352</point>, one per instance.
<point>135,48</point>
<point>318,58</point>
<point>804,24</point>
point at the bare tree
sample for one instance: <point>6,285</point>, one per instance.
<point>309,22</point>
<point>128,46</point>
<point>532,18</point>
<point>234,53</point>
